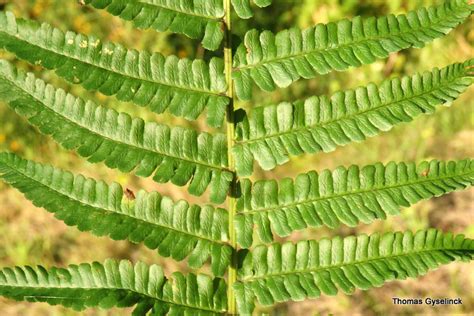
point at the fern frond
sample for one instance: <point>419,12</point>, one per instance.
<point>307,269</point>
<point>183,87</point>
<point>243,9</point>
<point>271,60</point>
<point>343,196</point>
<point>197,19</point>
<point>116,284</point>
<point>175,229</point>
<point>270,134</point>
<point>173,154</point>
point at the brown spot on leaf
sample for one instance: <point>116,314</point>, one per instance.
<point>129,194</point>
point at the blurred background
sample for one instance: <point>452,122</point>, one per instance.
<point>32,236</point>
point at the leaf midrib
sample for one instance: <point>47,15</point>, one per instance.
<point>338,266</point>
<point>109,288</point>
<point>153,151</point>
<point>445,84</point>
<point>357,192</point>
<point>63,54</point>
<point>373,38</point>
<point>203,16</point>
<point>98,208</point>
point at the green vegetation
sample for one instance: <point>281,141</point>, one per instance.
<point>271,130</point>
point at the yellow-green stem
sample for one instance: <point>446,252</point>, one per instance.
<point>232,272</point>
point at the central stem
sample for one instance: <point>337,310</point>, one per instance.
<point>232,272</point>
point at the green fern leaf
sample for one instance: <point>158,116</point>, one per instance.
<point>346,196</point>
<point>116,284</point>
<point>278,60</point>
<point>270,134</point>
<point>176,154</point>
<point>183,87</point>
<point>307,269</point>
<point>243,9</point>
<point>197,19</point>
<point>176,230</point>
